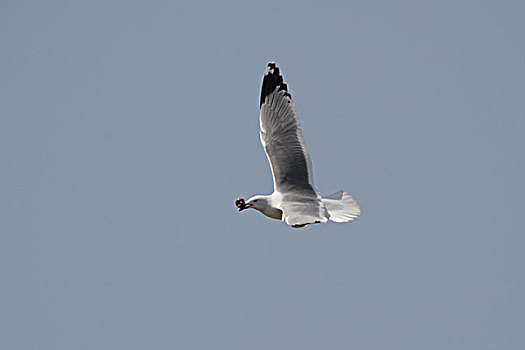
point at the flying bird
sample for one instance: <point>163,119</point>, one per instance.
<point>294,200</point>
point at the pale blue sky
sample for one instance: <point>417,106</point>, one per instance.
<point>128,129</point>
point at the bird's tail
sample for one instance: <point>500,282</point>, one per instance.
<point>341,207</point>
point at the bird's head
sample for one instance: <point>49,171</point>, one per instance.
<point>256,202</point>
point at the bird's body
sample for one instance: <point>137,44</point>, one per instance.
<point>295,199</point>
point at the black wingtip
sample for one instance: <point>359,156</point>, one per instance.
<point>273,80</point>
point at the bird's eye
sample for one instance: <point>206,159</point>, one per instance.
<point>255,200</point>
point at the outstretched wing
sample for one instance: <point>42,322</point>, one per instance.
<point>281,135</point>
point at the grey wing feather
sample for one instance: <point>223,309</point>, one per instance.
<point>289,159</point>
<point>281,135</point>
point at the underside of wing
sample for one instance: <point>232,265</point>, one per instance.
<point>281,135</point>
<point>300,209</point>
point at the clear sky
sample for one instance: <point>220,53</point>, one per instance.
<point>128,129</point>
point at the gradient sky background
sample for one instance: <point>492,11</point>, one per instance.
<point>129,128</point>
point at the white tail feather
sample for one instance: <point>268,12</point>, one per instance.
<point>341,207</point>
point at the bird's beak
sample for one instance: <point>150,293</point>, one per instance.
<point>245,206</point>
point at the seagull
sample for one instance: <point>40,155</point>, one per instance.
<point>294,200</point>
